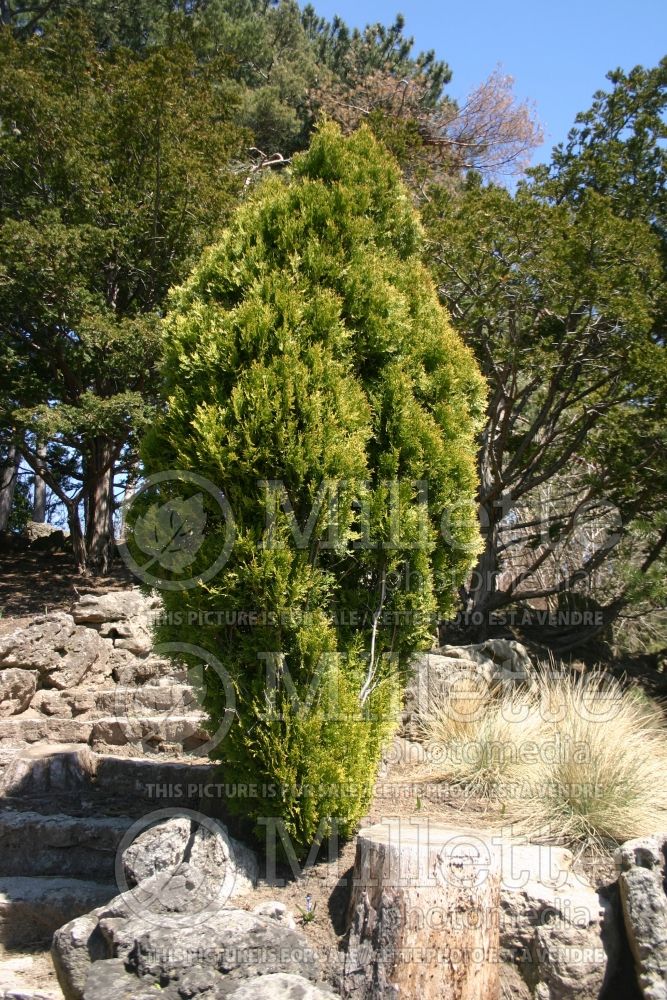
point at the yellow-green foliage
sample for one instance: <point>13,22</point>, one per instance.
<point>309,347</point>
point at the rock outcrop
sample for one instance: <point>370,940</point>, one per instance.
<point>177,927</point>
<point>60,652</point>
<point>642,870</point>
<point>554,926</point>
<point>496,662</point>
<point>199,849</point>
<point>17,688</point>
<point>92,677</point>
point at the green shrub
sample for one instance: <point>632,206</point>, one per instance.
<point>309,348</point>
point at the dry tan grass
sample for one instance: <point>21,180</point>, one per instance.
<point>608,781</point>
<point>476,740</point>
<point>573,759</point>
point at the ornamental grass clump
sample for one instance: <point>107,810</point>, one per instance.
<point>606,781</point>
<point>572,758</point>
<point>482,740</point>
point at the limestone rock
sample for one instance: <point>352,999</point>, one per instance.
<point>127,669</point>
<point>567,965</point>
<point>133,635</point>
<point>17,688</point>
<point>26,728</point>
<point>61,652</point>
<point>81,700</point>
<point>75,947</point>
<point>431,675</point>
<point>276,911</point>
<point>49,770</point>
<point>208,854</point>
<point>111,979</point>
<point>31,909</point>
<point>553,924</point>
<point>503,659</point>
<point>64,704</point>
<point>218,953</point>
<point>643,852</point>
<point>158,849</point>
<point>237,943</point>
<point>126,700</point>
<point>37,529</point>
<point>115,606</point>
<point>496,662</point>
<point>71,778</point>
<point>50,701</point>
<point>188,731</point>
<point>645,913</point>
<point>280,986</point>
<point>642,889</point>
<point>61,845</point>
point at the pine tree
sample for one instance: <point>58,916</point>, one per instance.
<point>114,173</point>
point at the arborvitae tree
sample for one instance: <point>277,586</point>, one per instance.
<point>310,368</point>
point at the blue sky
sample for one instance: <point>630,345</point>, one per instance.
<point>558,53</point>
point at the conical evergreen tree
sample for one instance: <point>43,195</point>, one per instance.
<point>308,360</point>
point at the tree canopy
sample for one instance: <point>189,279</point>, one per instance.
<point>129,134</point>
<point>114,172</point>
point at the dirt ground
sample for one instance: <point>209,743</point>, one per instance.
<point>29,973</point>
<point>34,583</point>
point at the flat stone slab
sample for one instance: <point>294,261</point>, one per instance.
<point>21,729</point>
<point>32,909</point>
<point>60,845</point>
<point>72,778</point>
<point>117,730</point>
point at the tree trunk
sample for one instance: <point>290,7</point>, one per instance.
<point>39,496</point>
<point>98,502</point>
<point>424,914</point>
<point>71,505</point>
<point>131,481</point>
<point>483,588</point>
<point>76,536</point>
<point>8,476</point>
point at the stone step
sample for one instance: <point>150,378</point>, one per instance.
<point>82,847</point>
<point>186,731</point>
<point>157,695</point>
<point>32,908</point>
<point>21,729</point>
<point>147,700</point>
<point>72,778</point>
<point>179,730</point>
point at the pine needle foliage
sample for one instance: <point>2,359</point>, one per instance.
<point>308,358</point>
